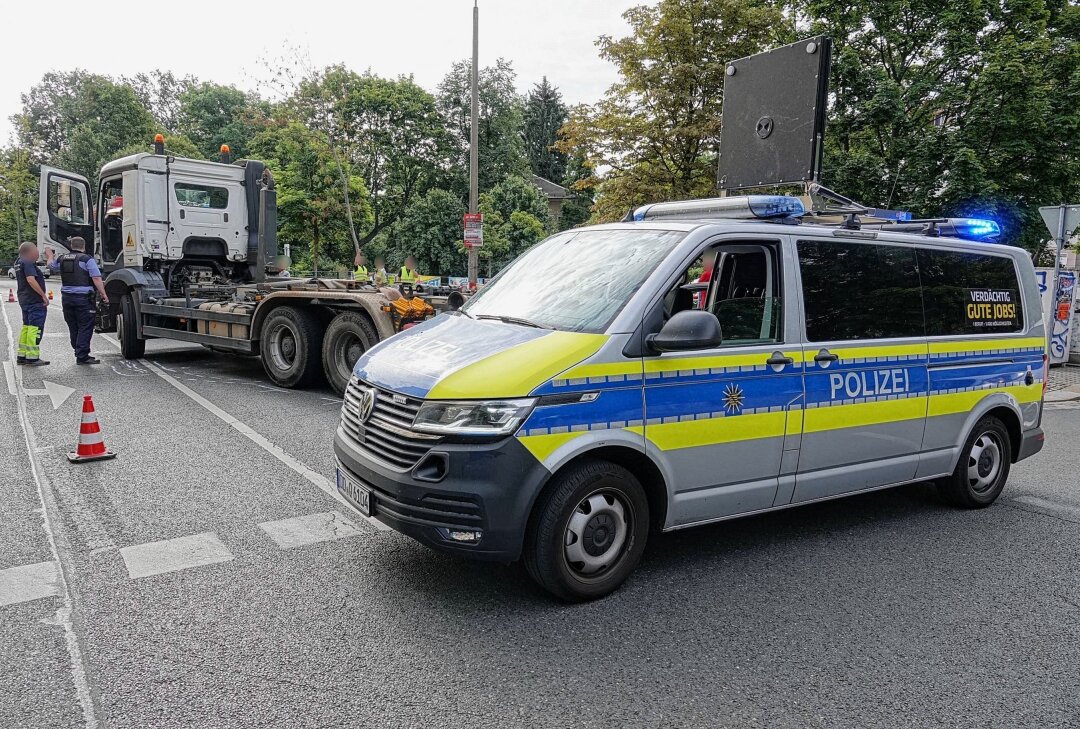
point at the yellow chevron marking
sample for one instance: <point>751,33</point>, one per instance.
<point>962,402</point>
<point>703,363</point>
<point>891,350</point>
<point>837,417</point>
<point>542,446</point>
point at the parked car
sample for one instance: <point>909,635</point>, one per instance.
<point>41,267</point>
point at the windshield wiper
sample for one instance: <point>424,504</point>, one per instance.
<point>513,320</point>
<point>462,312</point>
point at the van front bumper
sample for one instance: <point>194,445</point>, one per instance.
<point>486,487</point>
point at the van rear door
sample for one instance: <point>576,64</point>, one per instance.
<point>65,210</point>
<point>866,366</point>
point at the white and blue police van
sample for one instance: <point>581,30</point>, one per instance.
<point>698,362</point>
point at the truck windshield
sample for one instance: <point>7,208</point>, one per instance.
<point>575,281</point>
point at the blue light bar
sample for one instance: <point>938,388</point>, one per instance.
<point>743,207</point>
<point>975,229</point>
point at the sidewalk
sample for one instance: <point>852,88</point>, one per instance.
<point>1064,384</point>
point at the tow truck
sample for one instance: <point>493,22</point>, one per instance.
<point>188,249</point>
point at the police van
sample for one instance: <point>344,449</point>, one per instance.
<point>697,362</point>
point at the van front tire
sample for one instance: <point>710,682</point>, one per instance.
<point>983,467</point>
<point>588,531</point>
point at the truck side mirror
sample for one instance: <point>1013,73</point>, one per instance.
<point>687,331</point>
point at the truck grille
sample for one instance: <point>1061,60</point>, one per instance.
<point>387,435</point>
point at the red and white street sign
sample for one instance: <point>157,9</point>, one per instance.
<point>474,230</point>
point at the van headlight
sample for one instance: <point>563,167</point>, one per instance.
<point>472,417</point>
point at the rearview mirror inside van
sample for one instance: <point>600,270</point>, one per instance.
<point>687,330</point>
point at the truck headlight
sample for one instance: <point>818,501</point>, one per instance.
<point>473,417</point>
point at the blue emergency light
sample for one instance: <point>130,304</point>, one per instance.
<point>742,207</point>
<point>976,229</point>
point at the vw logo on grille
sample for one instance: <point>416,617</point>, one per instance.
<point>366,404</point>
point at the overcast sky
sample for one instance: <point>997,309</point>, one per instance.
<point>224,41</point>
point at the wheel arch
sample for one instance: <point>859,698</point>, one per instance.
<point>1001,406</point>
<point>634,459</point>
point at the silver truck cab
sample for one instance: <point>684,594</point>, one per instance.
<point>698,362</point>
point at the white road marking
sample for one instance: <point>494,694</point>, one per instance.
<point>1054,507</point>
<point>55,392</point>
<point>29,582</point>
<point>9,375</point>
<point>299,531</point>
<point>65,616</point>
<point>171,555</point>
<point>258,439</point>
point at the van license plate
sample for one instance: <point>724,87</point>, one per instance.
<point>358,496</point>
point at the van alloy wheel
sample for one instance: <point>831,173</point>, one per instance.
<point>596,533</point>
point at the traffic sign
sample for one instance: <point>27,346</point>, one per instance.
<point>1052,214</point>
<point>474,230</point>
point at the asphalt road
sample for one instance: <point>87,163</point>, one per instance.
<point>883,610</point>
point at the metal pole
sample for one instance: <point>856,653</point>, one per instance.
<point>474,134</point>
<point>1059,244</point>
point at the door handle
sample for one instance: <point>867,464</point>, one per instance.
<point>824,356</point>
<point>779,360</point>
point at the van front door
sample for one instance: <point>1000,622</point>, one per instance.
<point>719,418</point>
<point>64,210</point>
<point>866,366</point>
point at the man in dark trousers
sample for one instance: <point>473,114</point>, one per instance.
<point>79,277</point>
<point>34,303</point>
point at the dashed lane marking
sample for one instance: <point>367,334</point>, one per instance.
<point>172,555</point>
<point>1064,511</point>
<point>258,439</point>
<point>300,531</point>
<point>29,582</point>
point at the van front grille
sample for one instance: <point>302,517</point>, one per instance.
<point>387,434</point>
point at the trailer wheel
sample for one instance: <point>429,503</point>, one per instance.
<point>290,344</point>
<point>127,330</point>
<point>349,335</point>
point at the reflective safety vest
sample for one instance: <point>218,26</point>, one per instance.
<point>361,273</point>
<point>407,276</point>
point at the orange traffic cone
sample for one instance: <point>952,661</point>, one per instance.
<point>10,296</point>
<point>91,444</point>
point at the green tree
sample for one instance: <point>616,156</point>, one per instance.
<point>388,131</point>
<point>431,230</point>
<point>515,217</point>
<point>161,92</point>
<point>311,210</point>
<point>655,132</point>
<point>18,201</point>
<point>79,120</point>
<point>501,149</point>
<point>516,194</point>
<point>211,115</point>
<point>177,145</point>
<point>955,109</point>
<point>544,115</point>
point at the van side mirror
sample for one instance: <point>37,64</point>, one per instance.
<point>687,331</point>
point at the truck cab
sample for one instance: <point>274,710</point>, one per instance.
<point>183,219</point>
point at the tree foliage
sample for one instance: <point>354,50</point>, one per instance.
<point>955,109</point>
<point>430,230</point>
<point>211,115</point>
<point>161,92</point>
<point>515,217</point>
<point>499,141</point>
<point>657,128</point>
<point>544,115</point>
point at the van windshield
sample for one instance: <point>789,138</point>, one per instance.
<point>575,281</point>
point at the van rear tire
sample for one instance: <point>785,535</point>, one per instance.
<point>983,467</point>
<point>587,532</point>
<point>127,325</point>
<point>290,345</point>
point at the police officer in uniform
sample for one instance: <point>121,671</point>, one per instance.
<point>79,278</point>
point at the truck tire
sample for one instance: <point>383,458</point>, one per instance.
<point>290,345</point>
<point>349,335</point>
<point>127,329</point>
<point>588,531</point>
<point>983,467</point>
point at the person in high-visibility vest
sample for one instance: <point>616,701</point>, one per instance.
<point>361,273</point>
<point>409,274</point>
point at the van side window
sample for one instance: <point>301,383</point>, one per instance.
<point>969,293</point>
<point>746,295</point>
<point>859,291</point>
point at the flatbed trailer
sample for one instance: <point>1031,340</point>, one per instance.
<point>302,329</point>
